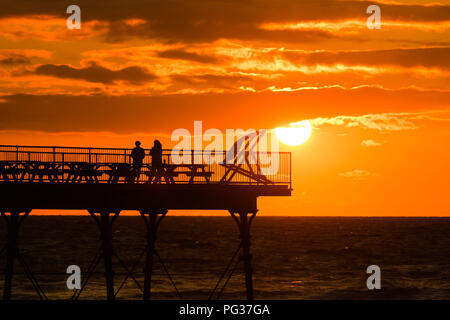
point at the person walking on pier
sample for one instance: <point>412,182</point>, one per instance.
<point>157,170</point>
<point>138,155</point>
<point>156,153</point>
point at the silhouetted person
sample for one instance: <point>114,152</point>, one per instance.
<point>156,153</point>
<point>138,155</point>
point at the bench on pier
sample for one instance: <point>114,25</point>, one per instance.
<point>10,171</point>
<point>192,173</point>
<point>82,170</point>
<point>34,170</point>
<point>116,171</point>
<point>169,171</point>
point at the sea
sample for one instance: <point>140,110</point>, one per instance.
<point>293,257</point>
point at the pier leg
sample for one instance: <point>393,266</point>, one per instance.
<point>105,222</point>
<point>13,222</point>
<point>244,223</point>
<point>152,220</point>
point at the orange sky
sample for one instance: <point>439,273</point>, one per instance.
<point>379,100</point>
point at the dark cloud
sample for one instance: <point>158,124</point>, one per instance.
<point>13,61</point>
<point>96,73</point>
<point>208,30</point>
<point>208,81</point>
<point>215,79</point>
<point>426,57</point>
<point>201,21</point>
<point>180,11</point>
<point>130,114</point>
<point>189,56</point>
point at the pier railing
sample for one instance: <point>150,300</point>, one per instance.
<point>114,165</point>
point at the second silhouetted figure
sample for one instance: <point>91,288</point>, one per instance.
<point>156,153</point>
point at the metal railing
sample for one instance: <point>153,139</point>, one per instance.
<point>114,165</point>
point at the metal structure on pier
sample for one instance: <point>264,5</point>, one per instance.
<point>104,182</point>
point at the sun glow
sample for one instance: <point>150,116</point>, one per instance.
<point>296,134</point>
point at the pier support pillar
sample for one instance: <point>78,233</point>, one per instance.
<point>13,222</point>
<point>105,220</point>
<point>244,223</point>
<point>152,220</point>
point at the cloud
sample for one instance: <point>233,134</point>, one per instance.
<point>13,61</point>
<point>179,21</point>
<point>370,143</point>
<point>199,21</point>
<point>48,28</point>
<point>96,73</point>
<point>357,174</point>
<point>235,10</point>
<point>13,57</point>
<point>381,122</point>
<point>413,57</point>
<point>129,113</point>
<point>189,56</point>
<point>224,81</point>
<point>355,26</point>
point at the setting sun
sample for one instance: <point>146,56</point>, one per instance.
<point>296,134</point>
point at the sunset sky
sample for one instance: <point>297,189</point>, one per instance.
<point>378,99</point>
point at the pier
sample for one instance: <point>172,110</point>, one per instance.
<point>104,182</point>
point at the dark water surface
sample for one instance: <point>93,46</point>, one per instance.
<point>294,257</point>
